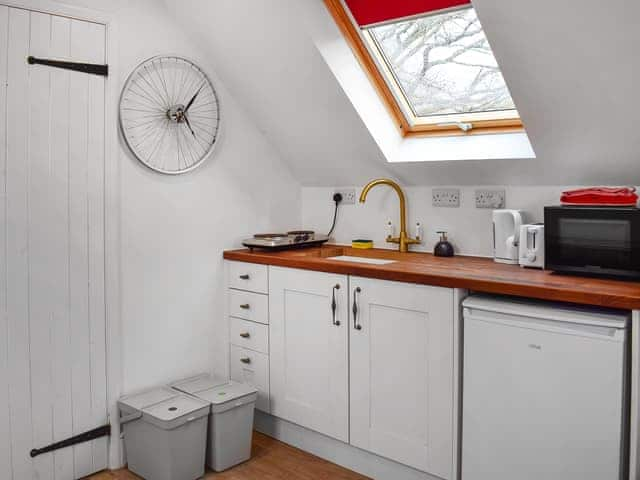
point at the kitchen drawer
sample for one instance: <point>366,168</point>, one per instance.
<point>248,306</point>
<point>248,276</point>
<point>252,367</point>
<point>251,335</point>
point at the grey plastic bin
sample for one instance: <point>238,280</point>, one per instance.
<point>164,434</point>
<point>231,421</point>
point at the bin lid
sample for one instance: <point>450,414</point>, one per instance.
<point>198,383</point>
<point>139,401</point>
<point>174,408</point>
<point>227,392</point>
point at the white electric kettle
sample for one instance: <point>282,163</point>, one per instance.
<point>506,235</point>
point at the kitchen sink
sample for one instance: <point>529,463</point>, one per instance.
<point>370,261</point>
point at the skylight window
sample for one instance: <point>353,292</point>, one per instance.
<point>436,72</point>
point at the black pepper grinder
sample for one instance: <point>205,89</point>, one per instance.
<point>443,248</point>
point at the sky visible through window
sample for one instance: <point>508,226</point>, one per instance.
<point>443,64</point>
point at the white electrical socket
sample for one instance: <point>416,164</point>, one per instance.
<point>445,197</point>
<point>486,198</point>
<point>348,195</point>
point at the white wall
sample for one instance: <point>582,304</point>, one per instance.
<point>469,228</point>
<point>174,229</point>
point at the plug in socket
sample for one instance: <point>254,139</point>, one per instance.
<point>445,197</point>
<point>348,195</point>
<point>486,198</point>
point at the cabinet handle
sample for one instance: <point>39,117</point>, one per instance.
<point>244,277</point>
<point>245,360</point>
<point>245,306</point>
<point>334,304</point>
<point>245,334</point>
<point>356,325</point>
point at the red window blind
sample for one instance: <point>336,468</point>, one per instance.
<point>368,12</point>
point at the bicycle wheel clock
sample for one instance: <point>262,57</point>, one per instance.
<point>169,114</point>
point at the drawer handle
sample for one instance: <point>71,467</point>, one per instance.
<point>245,306</point>
<point>246,360</point>
<point>244,277</point>
<point>245,334</point>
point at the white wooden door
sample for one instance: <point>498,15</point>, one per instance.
<point>308,349</point>
<point>52,304</point>
<point>402,373</point>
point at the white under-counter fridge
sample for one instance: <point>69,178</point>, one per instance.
<point>544,391</point>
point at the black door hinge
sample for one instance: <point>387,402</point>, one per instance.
<point>99,432</point>
<point>92,68</point>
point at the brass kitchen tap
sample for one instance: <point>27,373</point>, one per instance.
<point>403,240</point>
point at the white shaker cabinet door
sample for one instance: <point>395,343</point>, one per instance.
<point>402,373</point>
<point>308,334</point>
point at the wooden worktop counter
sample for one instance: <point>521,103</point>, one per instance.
<point>473,273</point>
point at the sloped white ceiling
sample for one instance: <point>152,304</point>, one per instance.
<point>572,67</point>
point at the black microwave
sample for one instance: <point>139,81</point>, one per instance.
<point>600,241</point>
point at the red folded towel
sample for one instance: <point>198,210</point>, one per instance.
<point>601,196</point>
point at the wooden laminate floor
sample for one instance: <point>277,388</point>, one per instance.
<point>271,460</point>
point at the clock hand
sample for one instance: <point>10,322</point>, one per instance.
<point>186,120</point>
<point>192,99</point>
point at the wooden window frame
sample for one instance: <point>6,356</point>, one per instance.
<point>354,38</point>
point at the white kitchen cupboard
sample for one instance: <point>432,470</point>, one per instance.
<point>247,312</point>
<point>402,371</point>
<point>308,332</point>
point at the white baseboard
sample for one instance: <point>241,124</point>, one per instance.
<point>336,451</point>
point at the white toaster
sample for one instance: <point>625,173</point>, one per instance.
<point>531,248</point>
